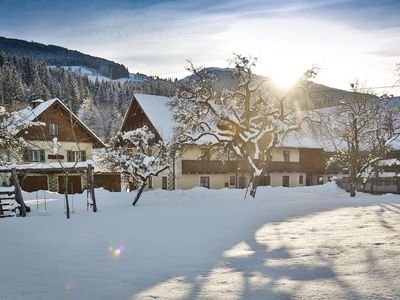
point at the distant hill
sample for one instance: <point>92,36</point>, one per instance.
<point>59,56</point>
<point>319,95</point>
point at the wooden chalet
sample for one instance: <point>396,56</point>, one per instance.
<point>62,144</point>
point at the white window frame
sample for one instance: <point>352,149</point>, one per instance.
<point>77,155</point>
<point>209,181</point>
<point>34,155</point>
<point>53,129</point>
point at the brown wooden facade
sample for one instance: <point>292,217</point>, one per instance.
<point>137,118</point>
<point>70,128</point>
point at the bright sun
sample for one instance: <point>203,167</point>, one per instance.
<point>284,79</point>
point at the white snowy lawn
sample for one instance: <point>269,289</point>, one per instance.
<point>312,242</point>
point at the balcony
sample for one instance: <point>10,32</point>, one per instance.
<point>222,167</point>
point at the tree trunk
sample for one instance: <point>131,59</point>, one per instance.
<point>352,189</point>
<point>66,194</point>
<point>254,186</point>
<point>139,193</point>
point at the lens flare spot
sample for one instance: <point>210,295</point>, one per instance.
<point>116,252</point>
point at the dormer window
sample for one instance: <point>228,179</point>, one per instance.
<point>53,127</point>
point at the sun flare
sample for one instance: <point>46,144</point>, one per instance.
<point>285,80</point>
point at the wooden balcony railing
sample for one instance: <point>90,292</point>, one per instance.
<point>221,167</point>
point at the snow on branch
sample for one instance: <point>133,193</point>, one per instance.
<point>138,154</point>
<point>249,119</point>
<point>12,143</point>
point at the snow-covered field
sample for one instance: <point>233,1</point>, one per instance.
<point>313,242</point>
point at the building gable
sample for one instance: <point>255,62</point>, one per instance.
<point>70,128</point>
<point>137,118</point>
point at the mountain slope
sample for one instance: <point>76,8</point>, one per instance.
<point>319,95</point>
<point>55,55</point>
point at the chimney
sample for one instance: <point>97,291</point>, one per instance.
<point>36,103</point>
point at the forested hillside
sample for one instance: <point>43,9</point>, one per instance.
<point>59,56</point>
<point>101,104</point>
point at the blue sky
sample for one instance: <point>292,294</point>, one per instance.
<point>348,40</point>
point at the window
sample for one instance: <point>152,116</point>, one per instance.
<point>204,153</point>
<point>76,156</point>
<point>150,182</point>
<point>53,128</point>
<point>301,179</point>
<point>164,185</point>
<point>264,180</point>
<point>35,155</point>
<point>320,179</point>
<point>232,180</point>
<point>285,181</point>
<point>286,155</point>
<point>205,181</point>
<point>232,155</point>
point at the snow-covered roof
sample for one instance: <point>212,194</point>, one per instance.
<point>30,114</point>
<point>300,140</point>
<point>48,165</point>
<point>156,109</point>
<point>389,162</point>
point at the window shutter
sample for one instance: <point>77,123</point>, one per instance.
<point>42,156</point>
<point>70,156</point>
<point>27,156</point>
<point>83,155</point>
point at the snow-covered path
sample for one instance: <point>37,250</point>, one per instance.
<point>313,242</point>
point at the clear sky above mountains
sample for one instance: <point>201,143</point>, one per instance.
<point>348,40</point>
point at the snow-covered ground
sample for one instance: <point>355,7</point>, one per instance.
<point>311,242</point>
<point>92,74</point>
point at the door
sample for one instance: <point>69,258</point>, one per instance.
<point>74,184</point>
<point>285,181</point>
<point>264,180</point>
<point>242,182</point>
<point>110,182</point>
<point>164,182</point>
<point>35,183</point>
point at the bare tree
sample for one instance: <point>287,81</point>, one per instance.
<point>364,127</point>
<point>137,154</point>
<point>11,142</point>
<point>249,120</point>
